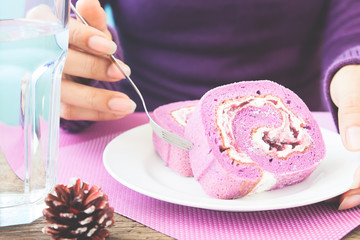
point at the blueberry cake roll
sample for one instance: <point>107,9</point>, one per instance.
<point>251,137</point>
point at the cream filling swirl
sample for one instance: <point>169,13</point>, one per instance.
<point>180,115</point>
<point>279,142</point>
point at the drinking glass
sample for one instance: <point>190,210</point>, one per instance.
<point>33,46</point>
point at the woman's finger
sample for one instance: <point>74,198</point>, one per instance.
<point>345,93</point>
<point>96,99</point>
<point>82,64</point>
<point>351,196</point>
<point>89,39</point>
<point>93,13</point>
<point>350,199</point>
<point>94,38</point>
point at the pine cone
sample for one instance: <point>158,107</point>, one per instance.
<point>78,213</point>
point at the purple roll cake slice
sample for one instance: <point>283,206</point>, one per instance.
<point>251,137</point>
<point>173,117</point>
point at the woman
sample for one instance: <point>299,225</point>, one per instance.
<point>178,50</point>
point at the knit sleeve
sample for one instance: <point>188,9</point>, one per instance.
<point>341,42</point>
<point>78,126</point>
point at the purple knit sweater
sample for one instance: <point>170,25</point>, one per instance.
<point>178,50</point>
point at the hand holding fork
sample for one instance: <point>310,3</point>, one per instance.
<point>161,132</point>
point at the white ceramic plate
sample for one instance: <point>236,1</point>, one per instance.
<point>131,159</point>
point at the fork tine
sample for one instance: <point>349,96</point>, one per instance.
<point>173,139</point>
<point>179,142</point>
<point>170,137</point>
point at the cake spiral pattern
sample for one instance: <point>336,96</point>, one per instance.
<point>251,137</point>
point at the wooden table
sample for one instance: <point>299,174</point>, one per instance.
<point>124,229</point>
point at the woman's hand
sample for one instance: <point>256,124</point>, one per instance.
<point>86,58</point>
<point>352,197</point>
<point>345,93</point>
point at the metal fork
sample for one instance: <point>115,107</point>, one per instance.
<point>164,134</point>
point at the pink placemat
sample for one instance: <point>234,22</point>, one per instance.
<point>81,156</point>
